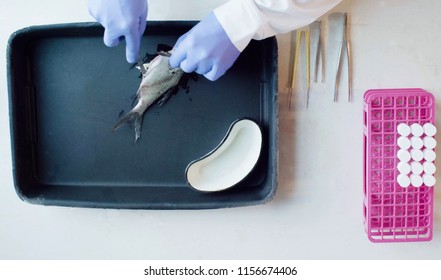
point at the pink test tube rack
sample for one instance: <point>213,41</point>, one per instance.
<point>393,213</point>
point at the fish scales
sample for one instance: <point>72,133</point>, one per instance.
<point>158,79</point>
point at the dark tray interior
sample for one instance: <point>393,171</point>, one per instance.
<point>67,91</point>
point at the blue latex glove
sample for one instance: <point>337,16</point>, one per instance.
<point>121,19</point>
<point>205,49</point>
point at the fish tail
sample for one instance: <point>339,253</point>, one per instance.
<point>131,117</point>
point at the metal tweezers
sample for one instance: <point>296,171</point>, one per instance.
<point>319,52</point>
<point>291,83</point>
<point>141,67</point>
<point>344,45</point>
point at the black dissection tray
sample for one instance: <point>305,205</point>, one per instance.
<point>67,91</point>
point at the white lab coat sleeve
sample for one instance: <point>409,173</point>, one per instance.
<point>244,20</point>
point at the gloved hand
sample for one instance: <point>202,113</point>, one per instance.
<point>205,49</point>
<point>121,18</point>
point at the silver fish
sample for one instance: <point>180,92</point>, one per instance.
<point>157,80</point>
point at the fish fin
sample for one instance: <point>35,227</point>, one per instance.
<point>135,98</point>
<point>138,126</point>
<point>129,118</point>
<point>166,96</point>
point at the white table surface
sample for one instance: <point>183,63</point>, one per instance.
<point>317,211</point>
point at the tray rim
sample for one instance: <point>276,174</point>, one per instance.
<point>40,199</point>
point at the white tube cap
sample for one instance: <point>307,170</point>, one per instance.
<point>403,168</point>
<point>417,168</point>
<point>417,155</point>
<point>429,129</point>
<point>429,180</point>
<point>417,129</point>
<point>429,168</point>
<point>416,180</point>
<point>403,129</point>
<point>403,155</point>
<point>429,142</point>
<point>404,142</point>
<point>429,155</point>
<point>403,180</point>
<point>416,142</point>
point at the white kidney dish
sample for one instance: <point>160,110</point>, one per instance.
<point>230,162</point>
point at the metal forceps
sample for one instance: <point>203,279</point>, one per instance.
<point>141,67</point>
<point>291,84</point>
<point>317,25</point>
<point>344,45</point>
